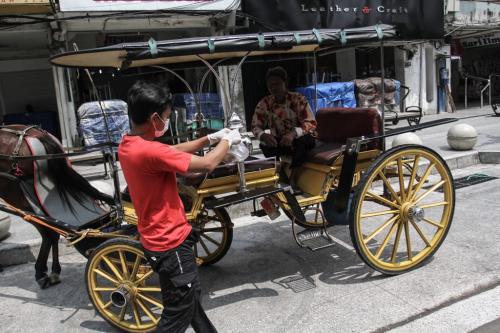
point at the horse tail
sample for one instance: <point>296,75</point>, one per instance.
<point>66,179</point>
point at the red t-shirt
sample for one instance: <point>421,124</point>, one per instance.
<point>149,168</point>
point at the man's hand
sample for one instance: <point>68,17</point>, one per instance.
<point>233,137</point>
<point>287,139</point>
<point>217,136</point>
<point>268,140</point>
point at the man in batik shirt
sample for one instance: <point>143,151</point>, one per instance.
<point>288,118</point>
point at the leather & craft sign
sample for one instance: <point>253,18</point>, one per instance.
<point>420,19</point>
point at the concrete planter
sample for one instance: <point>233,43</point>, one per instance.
<point>406,139</point>
<point>462,137</point>
<point>4,225</point>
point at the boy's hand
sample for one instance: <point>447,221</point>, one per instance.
<point>217,136</point>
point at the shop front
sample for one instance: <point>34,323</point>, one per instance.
<point>27,92</point>
<point>412,59</point>
<point>89,24</point>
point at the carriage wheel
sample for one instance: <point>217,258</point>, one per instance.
<point>403,209</point>
<point>216,236</point>
<point>122,286</point>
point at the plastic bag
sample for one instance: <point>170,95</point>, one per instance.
<point>237,153</point>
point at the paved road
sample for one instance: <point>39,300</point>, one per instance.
<point>334,291</point>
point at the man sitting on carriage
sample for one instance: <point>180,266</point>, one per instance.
<point>289,119</point>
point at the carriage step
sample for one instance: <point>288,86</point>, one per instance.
<point>314,239</point>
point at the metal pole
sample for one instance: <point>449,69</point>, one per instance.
<point>315,76</point>
<point>466,79</point>
<point>489,91</point>
<point>382,77</point>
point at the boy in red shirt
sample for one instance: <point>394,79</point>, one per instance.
<point>149,168</point>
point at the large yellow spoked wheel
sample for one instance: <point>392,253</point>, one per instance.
<point>216,236</point>
<point>402,209</point>
<point>123,287</point>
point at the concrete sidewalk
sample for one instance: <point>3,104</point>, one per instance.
<point>23,244</point>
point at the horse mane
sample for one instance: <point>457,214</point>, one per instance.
<point>66,179</point>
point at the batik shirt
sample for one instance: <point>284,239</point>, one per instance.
<point>293,115</point>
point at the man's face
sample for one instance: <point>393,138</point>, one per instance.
<point>276,86</point>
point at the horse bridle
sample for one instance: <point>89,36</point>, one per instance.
<point>15,170</point>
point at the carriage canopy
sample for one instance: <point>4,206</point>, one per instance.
<point>187,50</point>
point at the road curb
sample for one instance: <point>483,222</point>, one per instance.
<point>27,251</point>
<point>489,157</point>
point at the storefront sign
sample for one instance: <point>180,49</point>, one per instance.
<point>475,12</point>
<point>485,40</point>
<point>127,5</point>
<point>25,6</point>
<point>413,18</point>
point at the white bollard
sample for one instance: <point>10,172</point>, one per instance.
<point>406,139</point>
<point>462,137</point>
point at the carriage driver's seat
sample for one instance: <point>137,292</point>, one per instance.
<point>336,125</point>
<point>45,199</point>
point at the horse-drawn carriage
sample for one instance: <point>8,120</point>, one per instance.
<point>398,202</point>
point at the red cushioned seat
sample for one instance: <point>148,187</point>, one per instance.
<point>336,125</point>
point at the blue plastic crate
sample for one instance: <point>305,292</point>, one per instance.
<point>210,105</point>
<point>93,127</point>
<point>333,94</point>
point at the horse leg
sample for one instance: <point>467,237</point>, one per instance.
<point>41,262</point>
<point>56,266</point>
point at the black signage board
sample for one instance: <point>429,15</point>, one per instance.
<point>414,19</point>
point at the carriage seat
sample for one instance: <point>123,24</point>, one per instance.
<point>336,125</point>
<point>251,164</point>
<point>45,198</point>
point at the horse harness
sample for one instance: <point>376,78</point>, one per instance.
<point>15,169</point>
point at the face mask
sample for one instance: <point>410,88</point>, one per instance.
<point>166,124</point>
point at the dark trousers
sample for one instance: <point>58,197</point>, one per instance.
<point>180,288</point>
<point>298,151</point>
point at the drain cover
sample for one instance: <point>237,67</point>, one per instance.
<point>476,178</point>
<point>298,283</point>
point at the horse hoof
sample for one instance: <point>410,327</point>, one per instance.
<point>43,282</point>
<point>54,279</point>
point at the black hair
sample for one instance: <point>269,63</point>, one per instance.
<point>278,72</point>
<point>146,98</point>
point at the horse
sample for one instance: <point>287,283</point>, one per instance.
<point>14,143</point>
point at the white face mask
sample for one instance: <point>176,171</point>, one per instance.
<point>166,124</point>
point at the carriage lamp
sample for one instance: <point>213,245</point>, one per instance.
<point>241,151</point>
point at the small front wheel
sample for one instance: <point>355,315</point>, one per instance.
<point>216,236</point>
<point>403,209</point>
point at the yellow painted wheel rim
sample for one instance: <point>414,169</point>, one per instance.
<point>124,266</point>
<point>397,230</point>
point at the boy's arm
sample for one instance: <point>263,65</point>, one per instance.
<point>208,162</point>
<point>192,146</point>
